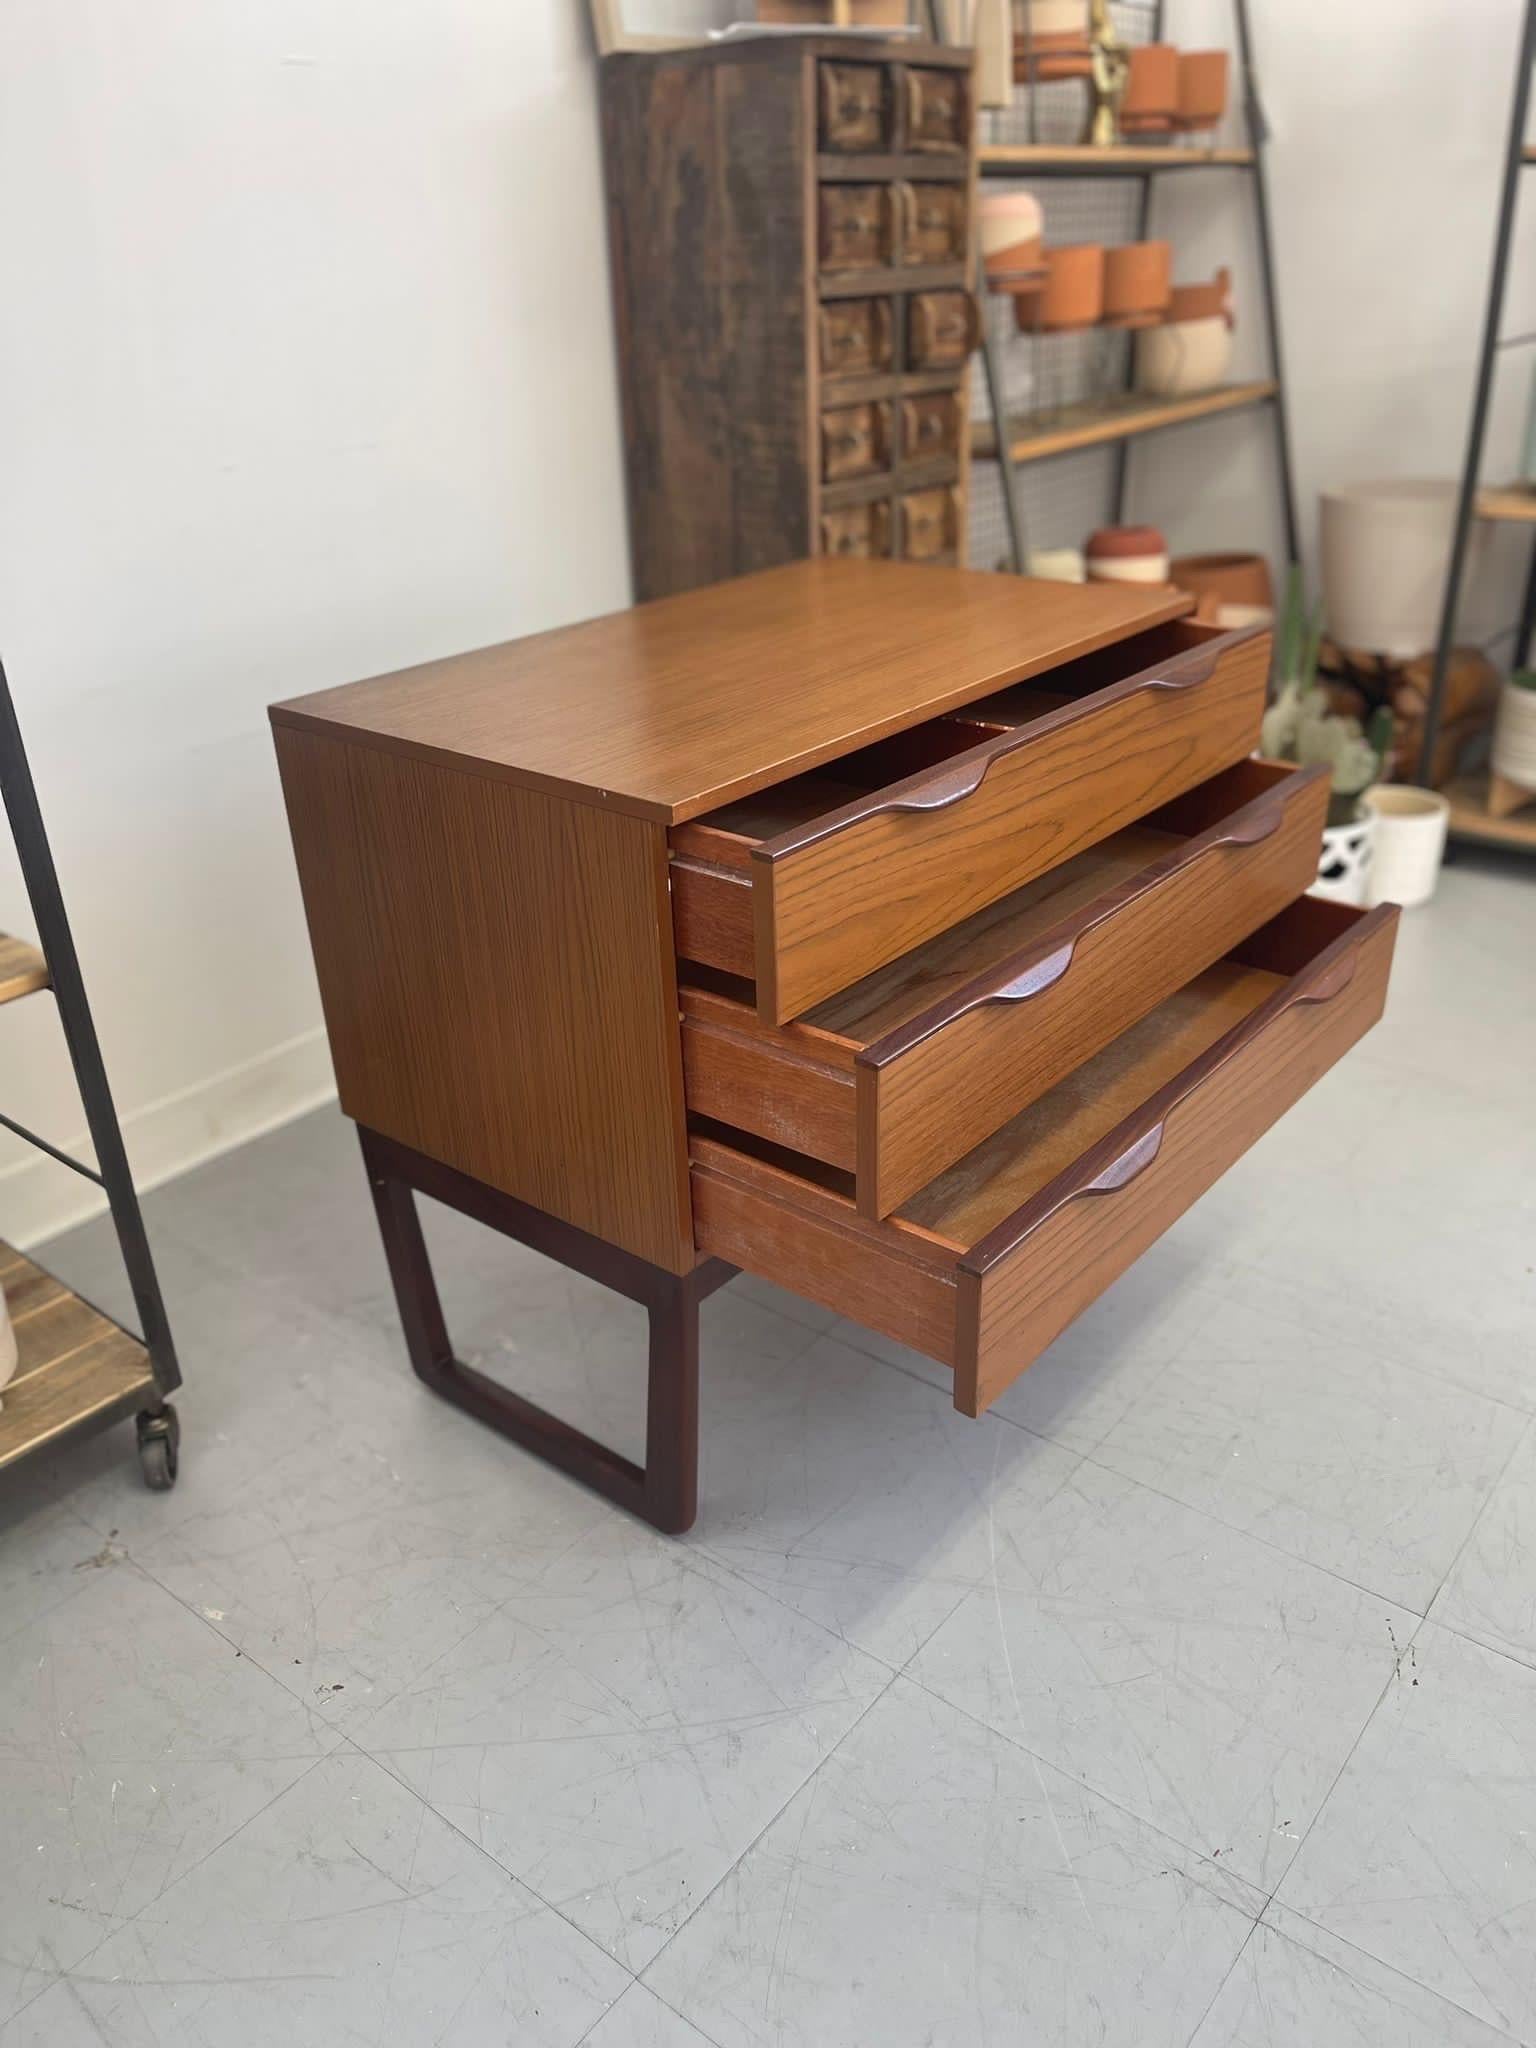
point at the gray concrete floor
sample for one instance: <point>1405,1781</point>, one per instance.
<point>1189,1698</point>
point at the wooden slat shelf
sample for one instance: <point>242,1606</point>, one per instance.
<point>74,1366</point>
<point>1470,819</point>
<point>23,970</point>
<point>1507,502</point>
<point>1092,160</point>
<point>1117,419</point>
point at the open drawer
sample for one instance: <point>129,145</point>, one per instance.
<point>806,887</point>
<point>992,1260</point>
<point>900,1075</point>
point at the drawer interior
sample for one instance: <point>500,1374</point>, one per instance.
<point>1089,672</point>
<point>978,1193</point>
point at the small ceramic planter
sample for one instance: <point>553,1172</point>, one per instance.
<point>1230,590</point>
<point>1407,843</point>
<point>1127,554</point>
<point>1150,103</point>
<point>1073,294</point>
<point>1138,279</point>
<point>1183,358</point>
<point>1202,89</point>
<point>1057,18</point>
<point>1011,227</point>
<point>1514,751</point>
<point>1344,865</point>
<point>1058,565</point>
<point>1385,547</point>
<point>1203,301</point>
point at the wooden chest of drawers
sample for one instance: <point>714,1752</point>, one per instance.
<point>924,942</point>
<point>791,234</point>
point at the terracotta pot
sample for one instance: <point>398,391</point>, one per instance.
<point>1061,19</point>
<point>1202,301</point>
<point>1127,554</point>
<point>1202,87</point>
<point>1151,99</point>
<point>1232,590</point>
<point>1183,357</point>
<point>1074,287</point>
<point>1137,280</point>
<point>1046,59</point>
<point>1011,226</point>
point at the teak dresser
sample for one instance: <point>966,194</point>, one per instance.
<point>923,941</point>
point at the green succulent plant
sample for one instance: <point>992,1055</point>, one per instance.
<point>1301,726</point>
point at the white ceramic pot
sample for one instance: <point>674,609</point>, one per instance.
<point>1344,865</point>
<point>1385,548</point>
<point>1128,569</point>
<point>1057,18</point>
<point>7,1343</point>
<point>1183,357</point>
<point>1407,843</point>
<point>1058,565</point>
<point>1514,737</point>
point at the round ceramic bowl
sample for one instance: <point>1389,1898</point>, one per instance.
<point>1183,357</point>
<point>1058,565</point>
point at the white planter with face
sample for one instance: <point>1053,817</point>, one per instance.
<point>1344,864</point>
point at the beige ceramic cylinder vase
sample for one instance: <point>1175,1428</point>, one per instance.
<point>1514,750</point>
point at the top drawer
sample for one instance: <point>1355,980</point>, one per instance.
<point>806,887</point>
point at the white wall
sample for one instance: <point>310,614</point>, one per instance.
<point>305,373</point>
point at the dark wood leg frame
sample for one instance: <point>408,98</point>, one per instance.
<point>665,1490</point>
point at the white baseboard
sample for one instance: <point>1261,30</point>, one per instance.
<point>39,1198</point>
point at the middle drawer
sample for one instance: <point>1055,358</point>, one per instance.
<point>900,1075</point>
<point>808,886</point>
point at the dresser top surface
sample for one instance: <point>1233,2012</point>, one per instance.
<point>673,707</point>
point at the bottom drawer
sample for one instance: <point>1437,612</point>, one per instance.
<point>990,1262</point>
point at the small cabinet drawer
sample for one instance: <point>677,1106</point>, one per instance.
<point>900,1075</point>
<point>855,441</point>
<point>990,1262</point>
<point>943,328</point>
<point>930,523</point>
<point>863,530</point>
<point>857,226</point>
<point>931,223</point>
<point>857,337</point>
<point>808,886</point>
<point>938,116</point>
<point>855,107</point>
<point>930,426</point>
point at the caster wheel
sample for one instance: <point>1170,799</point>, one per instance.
<point>159,1445</point>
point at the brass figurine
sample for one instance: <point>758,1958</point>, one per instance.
<point>1111,69</point>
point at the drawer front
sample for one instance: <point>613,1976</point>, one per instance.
<point>988,1310</point>
<point>947,1079</point>
<point>857,225</point>
<point>937,114</point>
<point>930,523</point>
<point>1022,1286</point>
<point>931,223</point>
<point>931,426</point>
<point>836,898</point>
<point>855,441</point>
<point>862,530</point>
<point>855,107</point>
<point>943,328</point>
<point>857,337</point>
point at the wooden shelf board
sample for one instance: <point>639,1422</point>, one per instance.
<point>1507,502</point>
<point>73,1365</point>
<point>1528,153</point>
<point>1118,419</point>
<point>1470,819</point>
<point>23,970</point>
<point>1093,160</point>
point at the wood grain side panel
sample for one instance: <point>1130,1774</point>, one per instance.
<point>835,908</point>
<point>704,166</point>
<point>496,971</point>
<point>925,1105</point>
<point>1011,1309</point>
<point>748,1081</point>
<point>875,1283</point>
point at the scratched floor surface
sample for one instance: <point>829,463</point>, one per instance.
<point>1187,1701</point>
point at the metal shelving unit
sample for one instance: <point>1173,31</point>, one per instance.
<point>1469,812</point>
<point>1119,421</point>
<point>77,1370</point>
